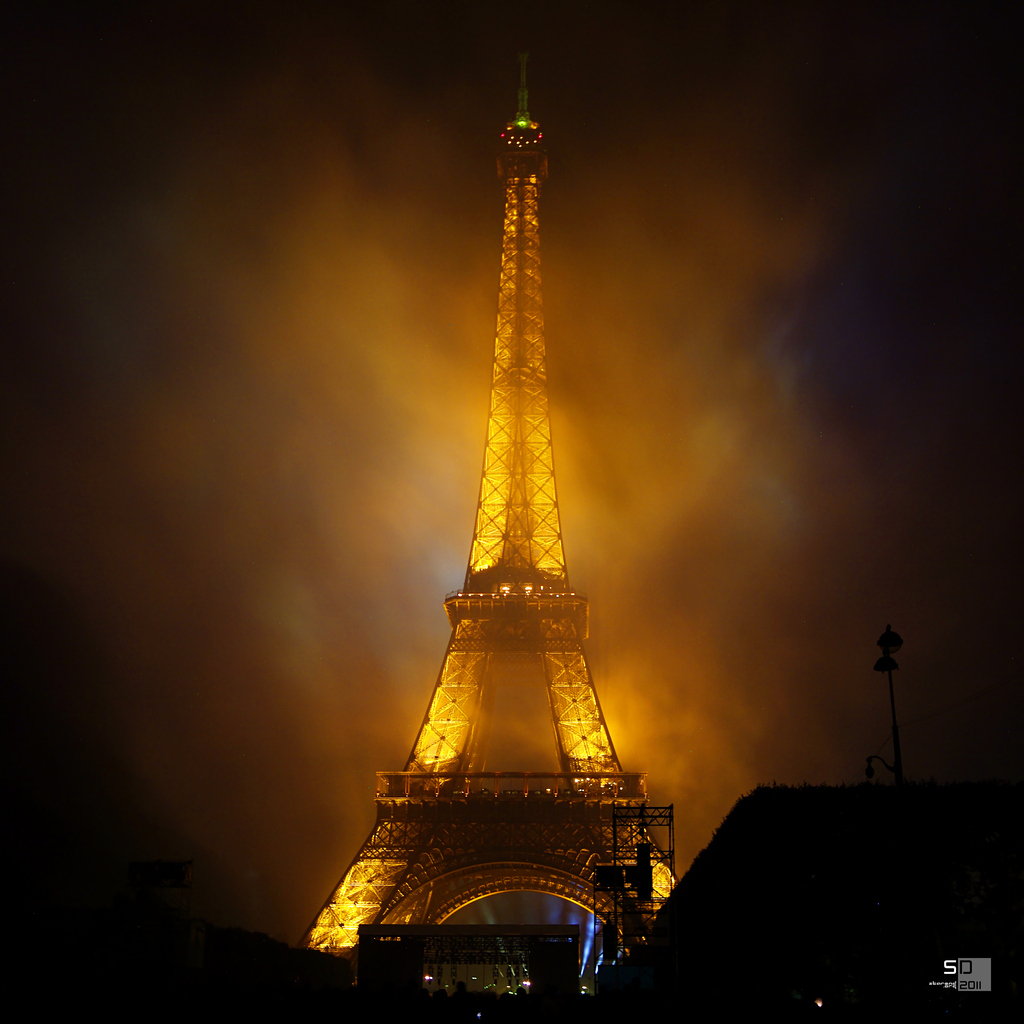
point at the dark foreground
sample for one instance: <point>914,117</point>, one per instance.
<point>811,902</point>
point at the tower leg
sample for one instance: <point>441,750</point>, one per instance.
<point>448,733</point>
<point>580,731</point>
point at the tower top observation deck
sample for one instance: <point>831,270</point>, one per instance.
<point>521,154</point>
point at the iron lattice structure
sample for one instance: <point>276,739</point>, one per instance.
<point>447,832</point>
<point>641,908</point>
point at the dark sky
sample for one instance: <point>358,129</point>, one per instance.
<point>249,282</point>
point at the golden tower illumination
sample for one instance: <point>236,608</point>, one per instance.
<point>447,831</point>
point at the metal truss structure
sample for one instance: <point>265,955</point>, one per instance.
<point>639,880</point>
<point>499,957</point>
<point>447,832</point>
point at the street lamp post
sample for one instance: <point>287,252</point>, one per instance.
<point>890,643</point>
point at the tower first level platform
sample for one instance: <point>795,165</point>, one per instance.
<point>442,840</point>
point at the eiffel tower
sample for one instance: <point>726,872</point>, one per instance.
<point>447,831</point>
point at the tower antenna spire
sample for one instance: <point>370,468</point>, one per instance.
<point>522,115</point>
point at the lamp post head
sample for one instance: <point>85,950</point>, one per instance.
<point>889,641</point>
<point>869,771</point>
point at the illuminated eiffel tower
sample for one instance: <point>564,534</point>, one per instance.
<point>448,832</point>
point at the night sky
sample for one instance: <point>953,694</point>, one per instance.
<point>249,284</point>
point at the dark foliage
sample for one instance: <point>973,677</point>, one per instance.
<point>855,896</point>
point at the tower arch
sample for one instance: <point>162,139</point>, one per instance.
<point>438,900</point>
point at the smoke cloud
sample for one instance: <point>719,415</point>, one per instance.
<point>251,289</point>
